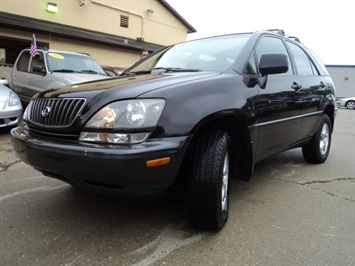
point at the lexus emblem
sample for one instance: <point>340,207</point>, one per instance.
<point>45,112</point>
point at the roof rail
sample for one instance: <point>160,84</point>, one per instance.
<point>282,33</point>
<point>278,31</point>
<point>294,38</point>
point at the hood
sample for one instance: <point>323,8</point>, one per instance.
<point>125,87</point>
<point>72,78</point>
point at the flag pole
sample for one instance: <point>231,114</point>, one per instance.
<point>33,49</point>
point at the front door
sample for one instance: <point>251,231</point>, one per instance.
<point>279,105</point>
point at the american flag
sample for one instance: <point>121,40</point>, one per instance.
<point>33,49</point>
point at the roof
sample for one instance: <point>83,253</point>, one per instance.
<point>178,16</point>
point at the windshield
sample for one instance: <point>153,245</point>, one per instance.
<point>216,53</point>
<point>76,63</point>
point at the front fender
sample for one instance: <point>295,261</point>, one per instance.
<point>190,103</point>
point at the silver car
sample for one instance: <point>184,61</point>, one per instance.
<point>348,102</point>
<point>10,107</point>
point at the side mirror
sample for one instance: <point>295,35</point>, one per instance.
<point>273,64</point>
<point>38,69</point>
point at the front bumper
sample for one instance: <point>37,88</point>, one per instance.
<point>119,170</point>
<point>10,117</point>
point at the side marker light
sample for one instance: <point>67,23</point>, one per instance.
<point>158,162</point>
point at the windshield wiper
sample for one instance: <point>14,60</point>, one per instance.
<point>173,69</point>
<point>141,72</point>
<point>91,72</point>
<point>66,70</point>
<point>158,70</point>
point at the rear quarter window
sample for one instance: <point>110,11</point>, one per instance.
<point>318,62</point>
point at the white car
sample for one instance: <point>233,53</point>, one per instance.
<point>10,107</point>
<point>348,102</point>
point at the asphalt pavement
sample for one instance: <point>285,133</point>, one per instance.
<point>290,213</point>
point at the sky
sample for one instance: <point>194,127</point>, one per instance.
<point>325,26</point>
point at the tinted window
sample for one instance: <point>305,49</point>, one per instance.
<point>302,62</point>
<point>270,45</point>
<point>318,62</point>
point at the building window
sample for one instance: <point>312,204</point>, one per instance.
<point>124,21</point>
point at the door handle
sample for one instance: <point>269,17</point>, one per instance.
<point>296,86</point>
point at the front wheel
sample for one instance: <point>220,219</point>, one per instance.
<point>317,150</point>
<point>208,189</point>
<point>350,104</point>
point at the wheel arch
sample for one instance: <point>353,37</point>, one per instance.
<point>241,147</point>
<point>330,111</point>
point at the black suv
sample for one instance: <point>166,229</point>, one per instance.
<point>201,111</point>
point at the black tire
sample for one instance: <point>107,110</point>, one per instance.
<point>350,104</point>
<point>317,150</point>
<point>208,189</point>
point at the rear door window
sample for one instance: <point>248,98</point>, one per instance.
<point>304,66</point>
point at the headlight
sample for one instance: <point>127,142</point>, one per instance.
<point>13,99</point>
<point>124,122</point>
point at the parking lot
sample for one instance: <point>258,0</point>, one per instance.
<point>290,213</point>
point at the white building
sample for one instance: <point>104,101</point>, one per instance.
<point>344,79</point>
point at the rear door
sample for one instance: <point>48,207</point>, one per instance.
<point>312,89</point>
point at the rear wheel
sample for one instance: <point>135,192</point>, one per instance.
<point>317,150</point>
<point>350,104</point>
<point>208,190</point>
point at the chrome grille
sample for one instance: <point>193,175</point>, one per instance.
<point>54,112</point>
